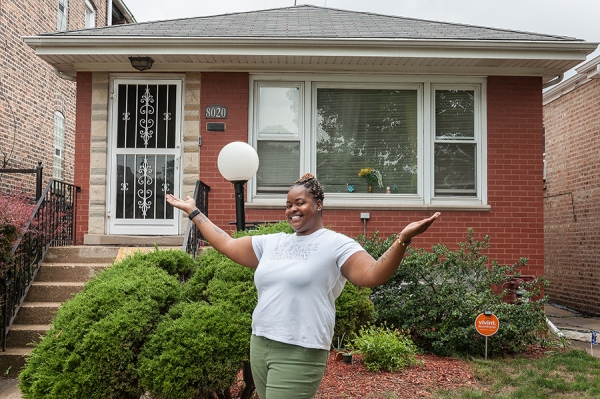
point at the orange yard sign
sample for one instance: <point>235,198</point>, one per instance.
<point>487,325</point>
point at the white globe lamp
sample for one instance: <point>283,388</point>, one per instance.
<point>238,162</point>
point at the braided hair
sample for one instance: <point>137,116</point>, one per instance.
<point>310,182</point>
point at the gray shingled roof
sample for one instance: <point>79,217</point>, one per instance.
<point>307,21</point>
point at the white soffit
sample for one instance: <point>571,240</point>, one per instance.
<point>546,59</point>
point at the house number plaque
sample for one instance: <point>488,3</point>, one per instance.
<point>215,112</point>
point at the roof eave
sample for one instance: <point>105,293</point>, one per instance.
<point>154,41</point>
<point>94,47</point>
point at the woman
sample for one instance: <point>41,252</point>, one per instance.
<point>298,277</point>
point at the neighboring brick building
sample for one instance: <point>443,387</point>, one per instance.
<point>572,190</point>
<point>454,125</point>
<point>37,103</point>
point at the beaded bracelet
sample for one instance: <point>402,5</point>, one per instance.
<point>404,244</point>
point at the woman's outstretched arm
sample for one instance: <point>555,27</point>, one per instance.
<point>238,250</point>
<point>362,270</point>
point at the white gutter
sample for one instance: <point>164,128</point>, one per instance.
<point>490,45</point>
<point>584,73</point>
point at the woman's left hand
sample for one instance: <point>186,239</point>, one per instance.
<point>416,228</point>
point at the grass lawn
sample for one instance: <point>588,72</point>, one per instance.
<point>570,374</point>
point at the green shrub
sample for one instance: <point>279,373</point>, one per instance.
<point>92,347</point>
<point>353,309</point>
<point>375,245</point>
<point>174,261</point>
<point>382,348</point>
<point>197,349</point>
<point>437,296</point>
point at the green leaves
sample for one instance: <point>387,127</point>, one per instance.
<point>437,295</point>
<point>385,349</point>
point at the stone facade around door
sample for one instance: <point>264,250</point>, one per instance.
<point>98,150</point>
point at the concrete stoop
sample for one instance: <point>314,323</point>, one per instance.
<point>63,274</point>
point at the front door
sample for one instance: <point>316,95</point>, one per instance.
<point>145,156</point>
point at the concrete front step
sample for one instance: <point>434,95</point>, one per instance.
<point>37,312</point>
<point>61,272</point>
<point>53,291</point>
<point>81,254</point>
<point>21,335</point>
<point>13,360</point>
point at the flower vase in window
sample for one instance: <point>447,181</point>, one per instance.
<point>373,177</point>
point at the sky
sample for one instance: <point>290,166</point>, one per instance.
<point>573,18</point>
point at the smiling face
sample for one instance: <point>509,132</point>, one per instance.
<point>302,211</point>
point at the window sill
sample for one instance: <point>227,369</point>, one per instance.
<point>270,204</point>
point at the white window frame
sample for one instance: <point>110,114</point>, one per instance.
<point>58,146</point>
<point>425,86</point>
<point>479,140</point>
<point>90,15</point>
<point>62,19</point>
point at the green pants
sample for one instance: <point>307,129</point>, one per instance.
<point>284,371</point>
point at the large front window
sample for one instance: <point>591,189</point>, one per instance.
<point>367,128</point>
<point>423,139</point>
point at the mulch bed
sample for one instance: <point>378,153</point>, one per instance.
<point>353,381</point>
<point>344,380</point>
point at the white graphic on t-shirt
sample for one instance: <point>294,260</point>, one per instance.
<point>296,252</point>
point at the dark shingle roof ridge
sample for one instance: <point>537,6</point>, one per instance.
<point>142,25</point>
<point>440,22</point>
<point>170,20</point>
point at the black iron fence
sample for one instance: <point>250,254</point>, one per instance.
<point>193,238</point>
<point>52,223</point>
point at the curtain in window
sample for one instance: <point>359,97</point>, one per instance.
<point>367,128</point>
<point>455,146</point>
<point>278,139</point>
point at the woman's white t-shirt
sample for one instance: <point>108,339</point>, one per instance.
<point>298,279</point>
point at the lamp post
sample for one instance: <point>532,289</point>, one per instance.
<point>238,162</point>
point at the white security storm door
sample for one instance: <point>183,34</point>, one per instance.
<point>145,156</point>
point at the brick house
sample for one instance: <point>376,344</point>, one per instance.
<point>572,189</point>
<point>37,101</point>
<point>450,114</point>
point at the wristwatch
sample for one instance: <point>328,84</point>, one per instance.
<point>194,213</point>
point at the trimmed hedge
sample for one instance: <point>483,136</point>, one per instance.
<point>92,348</point>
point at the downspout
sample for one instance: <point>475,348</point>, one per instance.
<point>109,5</point>
<point>554,81</point>
<point>63,76</point>
<point>555,330</point>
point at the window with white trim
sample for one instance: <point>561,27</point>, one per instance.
<point>455,144</point>
<point>423,138</point>
<point>58,146</point>
<point>90,15</point>
<point>63,14</point>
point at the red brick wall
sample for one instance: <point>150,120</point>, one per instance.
<point>515,222</point>
<point>83,131</point>
<point>572,205</point>
<point>30,90</point>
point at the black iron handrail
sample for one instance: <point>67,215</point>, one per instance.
<point>193,238</point>
<point>38,177</point>
<point>52,223</point>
